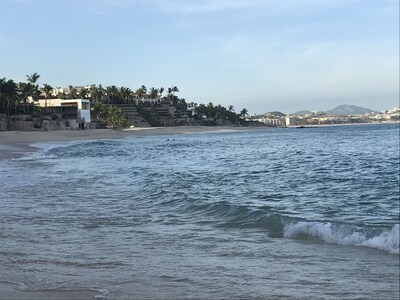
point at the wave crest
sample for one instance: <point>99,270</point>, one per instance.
<point>387,241</point>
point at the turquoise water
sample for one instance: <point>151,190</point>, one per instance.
<point>267,213</point>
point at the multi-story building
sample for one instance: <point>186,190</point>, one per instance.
<point>81,118</point>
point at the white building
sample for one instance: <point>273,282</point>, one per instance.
<point>58,90</point>
<point>291,121</point>
<point>191,107</point>
<point>83,106</point>
<point>147,100</point>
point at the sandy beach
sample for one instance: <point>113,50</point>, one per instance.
<point>14,144</point>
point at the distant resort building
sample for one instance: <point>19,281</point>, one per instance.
<point>269,121</point>
<point>192,108</point>
<point>291,121</point>
<point>147,100</point>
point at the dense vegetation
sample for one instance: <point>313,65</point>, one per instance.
<point>14,99</point>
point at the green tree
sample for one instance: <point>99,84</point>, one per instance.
<point>125,93</point>
<point>72,92</point>
<point>83,93</point>
<point>113,92</point>
<point>141,91</point>
<point>110,114</point>
<point>161,91</point>
<point>171,93</point>
<point>243,113</point>
<point>47,89</point>
<point>153,92</point>
<point>8,93</point>
<point>93,93</point>
<point>32,80</point>
<point>24,91</point>
<point>96,93</point>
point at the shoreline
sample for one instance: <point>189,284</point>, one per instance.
<point>16,144</point>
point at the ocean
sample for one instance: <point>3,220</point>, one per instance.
<point>286,213</point>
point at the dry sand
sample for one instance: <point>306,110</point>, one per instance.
<point>14,144</point>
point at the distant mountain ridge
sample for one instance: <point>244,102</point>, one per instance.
<point>346,110</point>
<point>274,113</point>
<point>303,112</point>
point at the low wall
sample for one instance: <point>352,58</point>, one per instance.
<point>21,126</point>
<point>3,123</point>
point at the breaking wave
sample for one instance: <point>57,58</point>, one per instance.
<point>327,232</point>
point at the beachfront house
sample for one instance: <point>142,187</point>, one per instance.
<point>80,118</point>
<point>147,100</point>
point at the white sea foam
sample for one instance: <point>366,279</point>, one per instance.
<point>387,241</point>
<point>103,293</point>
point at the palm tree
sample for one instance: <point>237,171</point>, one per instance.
<point>171,93</point>
<point>113,91</point>
<point>62,95</point>
<point>125,93</point>
<point>210,110</point>
<point>24,91</point>
<point>161,91</point>
<point>201,109</point>
<point>2,95</point>
<point>83,93</point>
<point>153,92</point>
<point>96,93</point>
<point>47,89</point>
<point>72,92</point>
<point>93,93</point>
<point>8,93</point>
<point>141,91</point>
<point>33,78</point>
<point>243,113</point>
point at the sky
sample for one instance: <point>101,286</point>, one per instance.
<point>263,55</point>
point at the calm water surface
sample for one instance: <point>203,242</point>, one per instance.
<point>269,213</point>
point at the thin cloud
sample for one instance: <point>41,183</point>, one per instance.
<point>213,6</point>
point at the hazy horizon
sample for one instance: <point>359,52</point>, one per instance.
<point>267,55</point>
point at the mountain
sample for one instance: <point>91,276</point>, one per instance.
<point>303,112</point>
<point>346,110</point>
<point>275,113</point>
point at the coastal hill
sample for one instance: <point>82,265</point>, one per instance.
<point>303,112</point>
<point>343,110</point>
<point>275,114</point>
<point>347,110</point>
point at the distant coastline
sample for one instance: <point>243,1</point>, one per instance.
<point>345,124</point>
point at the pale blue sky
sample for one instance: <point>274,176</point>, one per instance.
<point>264,55</point>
